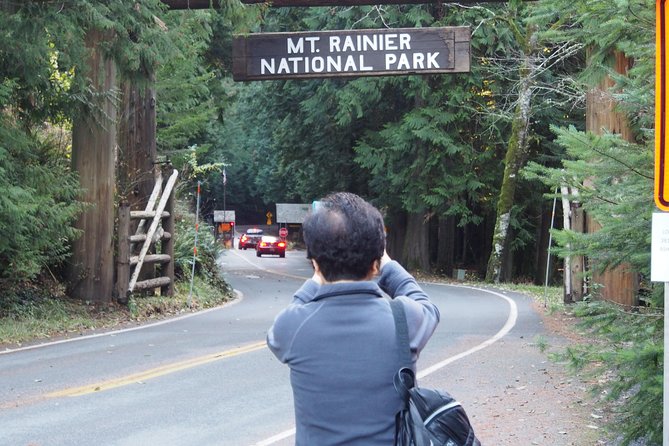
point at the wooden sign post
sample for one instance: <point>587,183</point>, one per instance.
<point>368,52</point>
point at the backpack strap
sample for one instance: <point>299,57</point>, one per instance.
<point>401,332</point>
<point>404,379</point>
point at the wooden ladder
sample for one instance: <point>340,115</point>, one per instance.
<point>161,229</point>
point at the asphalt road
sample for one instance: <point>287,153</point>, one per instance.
<point>208,379</point>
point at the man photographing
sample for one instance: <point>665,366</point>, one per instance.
<point>338,334</point>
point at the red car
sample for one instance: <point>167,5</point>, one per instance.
<point>271,245</point>
<point>250,239</point>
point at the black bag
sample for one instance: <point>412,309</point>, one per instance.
<point>430,417</point>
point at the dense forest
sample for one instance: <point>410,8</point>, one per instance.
<point>467,168</point>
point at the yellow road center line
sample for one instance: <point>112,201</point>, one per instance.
<point>154,373</point>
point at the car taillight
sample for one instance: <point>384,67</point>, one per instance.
<point>281,244</point>
<point>243,238</point>
<point>263,244</point>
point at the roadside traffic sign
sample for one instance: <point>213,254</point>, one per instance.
<point>662,186</point>
<point>283,232</point>
<point>661,115</point>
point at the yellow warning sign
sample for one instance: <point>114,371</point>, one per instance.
<point>661,118</point>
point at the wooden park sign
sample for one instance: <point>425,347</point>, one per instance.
<point>367,52</point>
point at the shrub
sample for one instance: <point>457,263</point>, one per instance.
<point>207,249</point>
<point>38,205</point>
<point>628,364</point>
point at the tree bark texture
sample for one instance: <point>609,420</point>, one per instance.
<point>566,225</point>
<point>137,150</point>
<point>91,269</point>
<point>416,253</point>
<point>123,253</point>
<point>167,247</point>
<point>446,247</point>
<point>577,263</point>
<point>540,258</point>
<point>516,155</point>
<point>137,144</point>
<point>617,284</point>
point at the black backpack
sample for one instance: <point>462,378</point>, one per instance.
<point>430,417</point>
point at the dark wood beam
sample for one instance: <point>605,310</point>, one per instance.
<point>192,4</point>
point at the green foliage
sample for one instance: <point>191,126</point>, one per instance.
<point>628,362</point>
<point>42,47</point>
<point>139,41</point>
<point>614,179</point>
<point>208,249</point>
<point>186,106</point>
<point>37,205</point>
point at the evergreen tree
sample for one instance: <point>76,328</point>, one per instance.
<point>614,182</point>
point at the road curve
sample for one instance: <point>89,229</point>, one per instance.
<point>207,378</point>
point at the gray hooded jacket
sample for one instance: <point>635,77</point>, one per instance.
<point>339,341</point>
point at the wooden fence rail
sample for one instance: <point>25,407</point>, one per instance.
<point>160,230</point>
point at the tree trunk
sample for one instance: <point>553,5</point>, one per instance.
<point>542,236</point>
<point>566,226</point>
<point>446,245</point>
<point>137,151</point>
<point>137,144</point>
<point>91,270</point>
<point>618,284</point>
<point>416,255</point>
<point>577,263</point>
<point>396,229</point>
<point>516,155</point>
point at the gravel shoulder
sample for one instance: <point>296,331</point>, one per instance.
<point>530,399</point>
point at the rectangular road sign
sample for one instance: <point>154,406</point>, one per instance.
<point>661,116</point>
<point>291,212</point>
<point>367,52</point>
<point>659,259</point>
<point>224,216</point>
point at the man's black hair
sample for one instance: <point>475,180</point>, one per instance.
<point>345,235</point>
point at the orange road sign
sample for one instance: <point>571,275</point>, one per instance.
<point>661,116</point>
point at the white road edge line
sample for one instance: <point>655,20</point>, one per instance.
<point>510,323</point>
<point>277,438</point>
<point>166,321</point>
<point>239,298</point>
